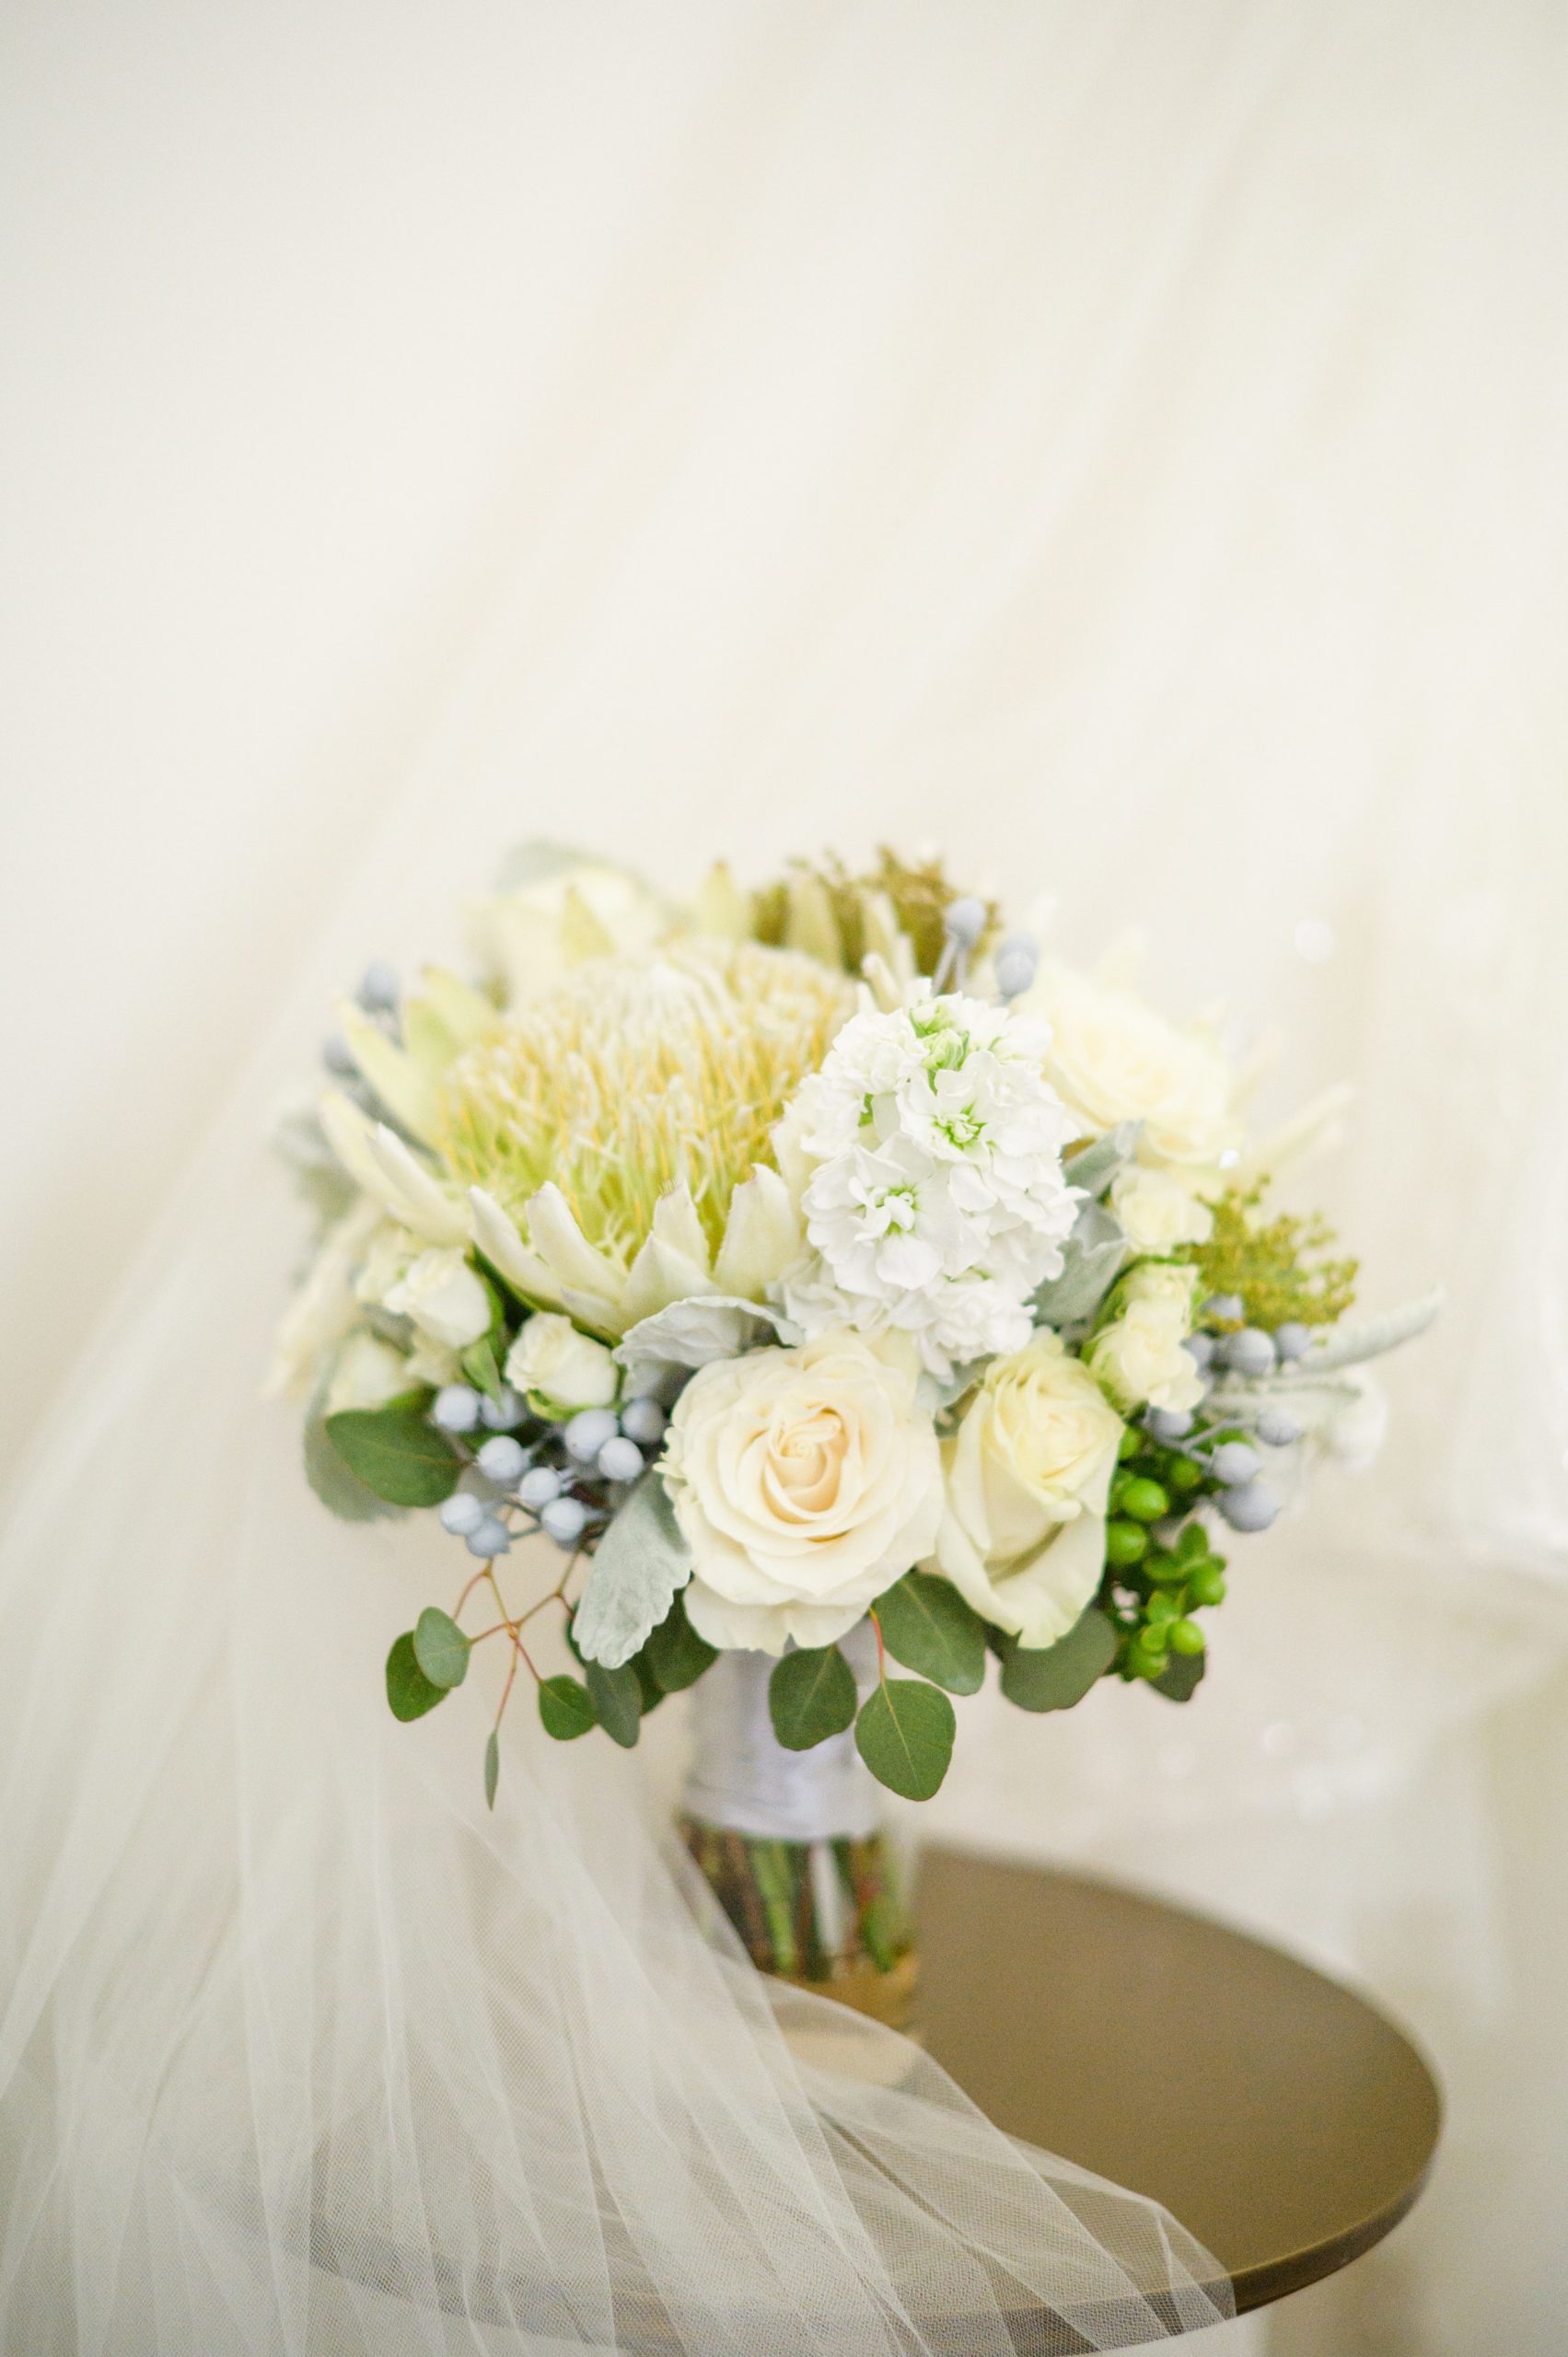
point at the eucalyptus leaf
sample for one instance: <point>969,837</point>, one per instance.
<point>1093,1166</point>
<point>342,1492</point>
<point>638,1568</point>
<point>616,1698</point>
<point>1180,1679</point>
<point>650,1692</point>
<point>1092,1259</point>
<point>928,1626</point>
<point>409,1691</point>
<point>676,1654</point>
<point>566,1708</point>
<point>397,1452</point>
<point>811,1695</point>
<point>492,1768</point>
<point>904,1733</point>
<point>1053,1678</point>
<point>440,1648</point>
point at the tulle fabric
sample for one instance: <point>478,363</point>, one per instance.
<point>305,2052</point>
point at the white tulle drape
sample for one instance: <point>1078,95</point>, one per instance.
<point>1122,443</point>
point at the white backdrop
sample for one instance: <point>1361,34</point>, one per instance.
<point>1120,441</point>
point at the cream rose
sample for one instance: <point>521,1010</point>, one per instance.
<point>444,1298</point>
<point>1157,1212</point>
<point>1027,1473</point>
<point>805,1481</point>
<point>366,1373</point>
<point>1112,1059</point>
<point>561,1368</point>
<point>1140,1357</point>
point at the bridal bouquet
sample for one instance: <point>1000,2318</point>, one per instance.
<point>798,1260</point>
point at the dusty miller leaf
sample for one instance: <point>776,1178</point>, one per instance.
<point>640,1564</point>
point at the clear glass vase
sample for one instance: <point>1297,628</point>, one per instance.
<point>793,1847</point>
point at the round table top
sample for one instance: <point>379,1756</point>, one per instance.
<point>1277,2115</point>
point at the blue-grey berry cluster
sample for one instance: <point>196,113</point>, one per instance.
<point>565,1479</point>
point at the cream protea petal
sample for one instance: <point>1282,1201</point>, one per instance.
<point>395,1076</point>
<point>763,1235</point>
<point>376,1157</point>
<point>566,1251</point>
<point>498,1240</point>
<point>660,1274</point>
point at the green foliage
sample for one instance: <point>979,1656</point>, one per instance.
<point>904,1733</point>
<point>811,1695</point>
<point>492,1768</point>
<point>928,1626</point>
<point>341,1492</point>
<point>440,1648</point>
<point>566,1708</point>
<point>396,1451</point>
<point>675,1652</point>
<point>1053,1678</point>
<point>616,1698</point>
<point>480,1368</point>
<point>409,1691</point>
<point>1180,1679</point>
<point>1282,1268</point>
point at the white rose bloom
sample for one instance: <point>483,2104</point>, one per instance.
<point>366,1373</point>
<point>805,1481</point>
<point>559,1367</point>
<point>1157,1212</point>
<point>928,1156</point>
<point>444,1297</point>
<point>1140,1356</point>
<point>1028,1476</point>
<point>1112,1059</point>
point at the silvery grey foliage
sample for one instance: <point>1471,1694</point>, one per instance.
<point>660,1351</point>
<point>638,1566</point>
<point>1092,1259</point>
<point>1369,1338</point>
<point>1093,1166</point>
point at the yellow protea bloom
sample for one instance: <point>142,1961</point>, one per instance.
<point>620,1120</point>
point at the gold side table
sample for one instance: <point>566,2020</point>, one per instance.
<point>1280,2117</point>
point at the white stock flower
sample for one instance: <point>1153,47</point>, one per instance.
<point>805,1481</point>
<point>1112,1059</point>
<point>557,1366</point>
<point>366,1373</point>
<point>1140,1357</point>
<point>1028,1476</point>
<point>928,1154</point>
<point>444,1298</point>
<point>1157,1210</point>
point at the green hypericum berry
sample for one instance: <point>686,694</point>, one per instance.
<point>1185,1473</point>
<point>1145,1499</point>
<point>1163,1608</point>
<point>1125,1542</point>
<point>1168,1568</point>
<point>1193,1546</point>
<point>1207,1583</point>
<point>1185,1637</point>
<point>1131,1441</point>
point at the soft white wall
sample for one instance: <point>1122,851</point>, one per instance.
<point>1122,441</point>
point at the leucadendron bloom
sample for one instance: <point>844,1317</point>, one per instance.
<point>559,1368</point>
<point>1139,1356</point>
<point>1028,1474</point>
<point>805,1481</point>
